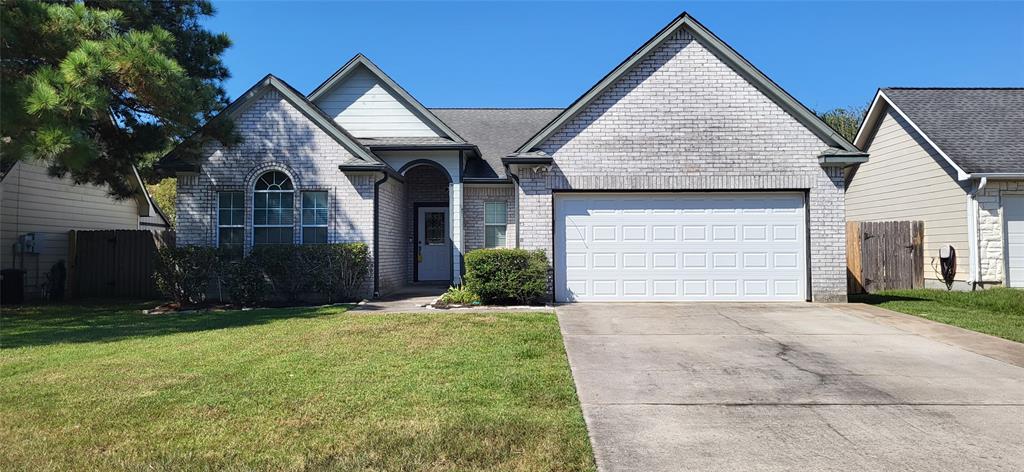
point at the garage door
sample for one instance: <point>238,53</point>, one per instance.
<point>681,246</point>
<point>1013,208</point>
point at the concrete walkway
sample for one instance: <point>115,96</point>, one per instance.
<point>415,298</point>
<point>750,387</point>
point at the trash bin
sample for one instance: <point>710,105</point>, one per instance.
<point>12,286</point>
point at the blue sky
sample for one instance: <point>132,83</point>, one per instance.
<point>826,54</point>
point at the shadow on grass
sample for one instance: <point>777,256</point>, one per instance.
<point>98,321</point>
<point>878,299</point>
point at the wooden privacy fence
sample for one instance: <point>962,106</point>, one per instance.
<point>114,263</point>
<point>884,255</point>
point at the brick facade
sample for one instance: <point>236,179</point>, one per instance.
<point>473,207</point>
<point>680,120</point>
<point>393,214</point>
<point>683,120</point>
<point>276,136</point>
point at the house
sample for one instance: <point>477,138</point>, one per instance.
<point>953,158</point>
<point>684,174</point>
<point>37,210</point>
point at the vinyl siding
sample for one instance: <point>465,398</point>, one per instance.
<point>34,202</point>
<point>367,109</point>
<point>905,179</point>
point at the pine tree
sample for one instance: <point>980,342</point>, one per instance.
<point>95,88</point>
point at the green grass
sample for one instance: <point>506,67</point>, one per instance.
<point>997,311</point>
<point>98,387</point>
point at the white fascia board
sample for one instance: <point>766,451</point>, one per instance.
<point>960,174</point>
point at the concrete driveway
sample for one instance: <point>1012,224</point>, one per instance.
<point>745,387</point>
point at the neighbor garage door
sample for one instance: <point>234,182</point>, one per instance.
<point>680,246</point>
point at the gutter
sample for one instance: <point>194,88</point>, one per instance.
<point>376,234</point>
<point>991,175</point>
<point>515,178</point>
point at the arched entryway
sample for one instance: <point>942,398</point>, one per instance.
<point>428,210</point>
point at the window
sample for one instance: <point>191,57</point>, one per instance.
<point>495,224</point>
<point>434,228</point>
<point>231,220</point>
<point>273,209</point>
<point>314,217</point>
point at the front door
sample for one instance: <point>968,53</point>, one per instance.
<point>432,244</point>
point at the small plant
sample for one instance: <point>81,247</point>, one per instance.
<point>507,276</point>
<point>183,273</point>
<point>458,296</point>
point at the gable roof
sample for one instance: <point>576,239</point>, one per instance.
<point>496,132</point>
<point>362,61</point>
<point>977,130</point>
<point>173,161</point>
<point>724,52</point>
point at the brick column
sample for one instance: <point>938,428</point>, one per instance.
<point>455,210</point>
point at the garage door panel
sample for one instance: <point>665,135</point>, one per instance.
<point>680,247</point>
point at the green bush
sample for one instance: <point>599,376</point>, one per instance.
<point>458,296</point>
<point>183,273</point>
<point>334,271</point>
<point>284,267</point>
<point>338,270</point>
<point>507,276</point>
<point>242,280</point>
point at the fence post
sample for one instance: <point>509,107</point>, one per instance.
<point>71,284</point>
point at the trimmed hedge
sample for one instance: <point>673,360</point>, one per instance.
<point>289,272</point>
<point>183,273</point>
<point>507,276</point>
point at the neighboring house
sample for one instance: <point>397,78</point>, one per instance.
<point>684,174</point>
<point>37,211</point>
<point>953,158</point>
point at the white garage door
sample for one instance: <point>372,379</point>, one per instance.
<point>681,246</point>
<point>1013,216</point>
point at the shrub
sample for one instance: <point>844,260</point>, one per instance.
<point>339,270</point>
<point>284,267</point>
<point>458,296</point>
<point>183,273</point>
<point>334,271</point>
<point>507,276</point>
<point>243,280</point>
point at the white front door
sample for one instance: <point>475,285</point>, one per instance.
<point>680,246</point>
<point>1013,216</point>
<point>433,248</point>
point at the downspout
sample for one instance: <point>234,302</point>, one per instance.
<point>515,178</point>
<point>376,234</point>
<point>972,228</point>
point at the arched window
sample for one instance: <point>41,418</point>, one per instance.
<point>273,209</point>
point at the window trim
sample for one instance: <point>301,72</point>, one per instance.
<point>216,233</point>
<point>292,191</point>
<point>504,205</point>
<point>302,223</point>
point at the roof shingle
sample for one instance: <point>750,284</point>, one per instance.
<point>496,131</point>
<point>980,129</point>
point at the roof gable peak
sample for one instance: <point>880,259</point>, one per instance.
<point>361,62</point>
<point>726,54</point>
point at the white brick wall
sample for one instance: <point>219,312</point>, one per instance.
<point>990,227</point>
<point>394,238</point>
<point>276,136</point>
<point>473,208</point>
<point>683,120</point>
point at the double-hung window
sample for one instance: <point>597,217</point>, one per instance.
<point>495,223</point>
<point>314,217</point>
<point>273,209</point>
<point>231,220</point>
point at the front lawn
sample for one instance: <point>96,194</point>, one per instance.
<point>997,311</point>
<point>92,387</point>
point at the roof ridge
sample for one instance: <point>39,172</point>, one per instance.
<point>495,108</point>
<point>952,88</point>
